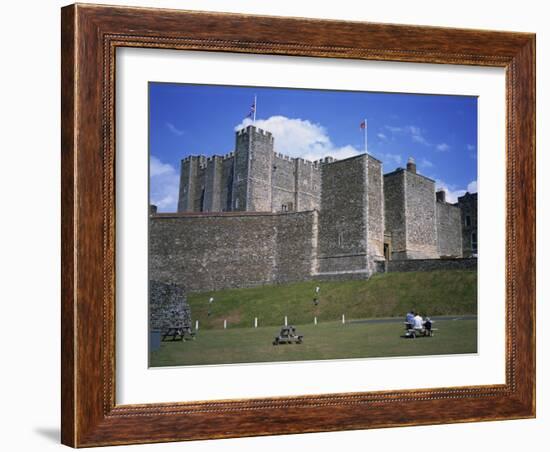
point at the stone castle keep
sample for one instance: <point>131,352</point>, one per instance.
<point>255,216</point>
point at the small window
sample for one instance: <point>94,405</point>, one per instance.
<point>340,238</point>
<point>284,208</point>
<point>468,220</point>
<point>474,241</point>
<point>290,207</point>
<point>237,203</point>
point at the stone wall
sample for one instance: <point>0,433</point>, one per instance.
<point>468,208</point>
<point>343,219</point>
<point>420,217</point>
<point>307,185</point>
<point>241,162</point>
<point>419,265</point>
<point>216,251</point>
<point>168,307</point>
<point>284,183</point>
<point>253,178</point>
<point>394,211</point>
<point>449,231</point>
<point>260,170</point>
<point>375,210</point>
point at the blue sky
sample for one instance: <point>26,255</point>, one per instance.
<point>439,131</point>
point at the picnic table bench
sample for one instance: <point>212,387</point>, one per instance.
<point>414,332</point>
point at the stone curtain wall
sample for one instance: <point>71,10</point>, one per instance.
<point>419,265</point>
<point>231,249</point>
<point>168,307</point>
<point>449,231</point>
<point>296,253</point>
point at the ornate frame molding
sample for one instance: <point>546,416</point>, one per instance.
<point>90,37</point>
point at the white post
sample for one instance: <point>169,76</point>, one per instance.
<point>315,320</point>
<point>255,322</point>
<point>225,324</point>
<point>196,325</point>
<point>286,320</point>
<point>343,319</point>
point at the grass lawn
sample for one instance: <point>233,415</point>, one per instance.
<point>384,295</point>
<point>328,340</point>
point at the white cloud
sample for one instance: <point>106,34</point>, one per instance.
<point>301,138</point>
<point>452,192</point>
<point>443,147</point>
<point>414,132</point>
<point>164,185</point>
<point>382,136</point>
<point>172,128</point>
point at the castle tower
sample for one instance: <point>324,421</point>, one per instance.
<point>351,233</point>
<point>410,213</point>
<point>188,184</point>
<point>252,170</point>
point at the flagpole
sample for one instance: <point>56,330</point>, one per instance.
<point>255,105</point>
<point>365,135</point>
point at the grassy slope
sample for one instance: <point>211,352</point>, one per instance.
<point>385,295</point>
<point>329,340</point>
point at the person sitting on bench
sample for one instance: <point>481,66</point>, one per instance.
<point>418,322</point>
<point>410,320</point>
<point>428,324</point>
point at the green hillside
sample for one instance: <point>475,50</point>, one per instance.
<point>434,293</point>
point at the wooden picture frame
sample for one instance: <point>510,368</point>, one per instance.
<point>90,36</point>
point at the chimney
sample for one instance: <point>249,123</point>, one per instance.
<point>440,196</point>
<point>152,209</point>
<point>411,165</point>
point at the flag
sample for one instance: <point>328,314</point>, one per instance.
<point>252,110</point>
<point>363,125</point>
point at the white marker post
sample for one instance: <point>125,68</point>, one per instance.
<point>196,325</point>
<point>225,324</point>
<point>343,319</point>
<point>315,320</point>
<point>255,322</point>
<point>286,320</point>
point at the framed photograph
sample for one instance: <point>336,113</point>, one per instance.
<point>282,225</point>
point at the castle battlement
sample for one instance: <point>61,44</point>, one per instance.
<point>253,129</point>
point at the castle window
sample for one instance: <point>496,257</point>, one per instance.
<point>474,241</point>
<point>290,207</point>
<point>468,220</point>
<point>284,208</point>
<point>341,238</point>
<point>237,203</point>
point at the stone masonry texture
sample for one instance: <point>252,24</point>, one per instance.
<point>168,307</point>
<point>254,216</point>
